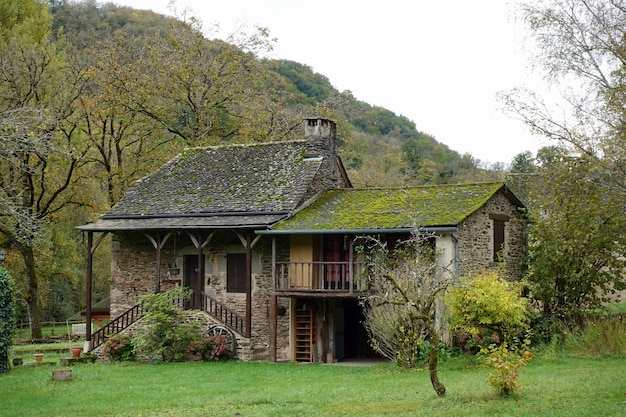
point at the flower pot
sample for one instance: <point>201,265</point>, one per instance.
<point>38,357</point>
<point>76,351</point>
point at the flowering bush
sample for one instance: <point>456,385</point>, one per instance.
<point>210,348</point>
<point>119,347</point>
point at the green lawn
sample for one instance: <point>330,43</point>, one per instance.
<point>555,386</point>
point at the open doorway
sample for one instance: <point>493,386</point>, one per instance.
<point>351,339</point>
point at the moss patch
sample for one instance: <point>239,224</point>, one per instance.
<point>392,208</point>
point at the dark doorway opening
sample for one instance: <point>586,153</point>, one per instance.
<point>356,340</point>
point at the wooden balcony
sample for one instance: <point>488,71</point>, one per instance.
<point>339,278</point>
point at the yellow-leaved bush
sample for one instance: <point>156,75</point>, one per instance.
<point>487,309</point>
<point>490,316</point>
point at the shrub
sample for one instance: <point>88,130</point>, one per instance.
<point>7,318</point>
<point>119,347</point>
<point>164,332</point>
<point>506,361</point>
<point>487,310</point>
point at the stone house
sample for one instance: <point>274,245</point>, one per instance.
<point>264,235</point>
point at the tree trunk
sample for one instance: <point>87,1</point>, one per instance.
<point>32,293</point>
<point>433,360</point>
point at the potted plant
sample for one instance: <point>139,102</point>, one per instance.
<point>38,357</point>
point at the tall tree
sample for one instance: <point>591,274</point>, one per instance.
<point>577,242</point>
<point>198,90</point>
<point>580,48</point>
<point>125,144</point>
<point>39,152</point>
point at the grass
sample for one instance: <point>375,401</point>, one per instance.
<point>48,329</point>
<point>551,386</point>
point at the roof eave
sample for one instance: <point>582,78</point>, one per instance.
<point>425,229</point>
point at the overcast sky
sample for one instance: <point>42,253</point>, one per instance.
<point>439,63</point>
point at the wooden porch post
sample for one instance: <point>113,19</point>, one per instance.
<point>248,244</point>
<point>248,284</point>
<point>197,292</point>
<point>90,250</point>
<point>157,284</point>
<point>273,325</point>
<point>158,244</point>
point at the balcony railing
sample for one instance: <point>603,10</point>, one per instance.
<point>320,276</point>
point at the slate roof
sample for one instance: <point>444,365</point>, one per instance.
<point>239,185</point>
<point>360,210</point>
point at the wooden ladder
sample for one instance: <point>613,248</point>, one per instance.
<point>305,336</point>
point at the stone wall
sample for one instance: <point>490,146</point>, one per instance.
<point>133,273</point>
<point>133,270</point>
<point>475,239</point>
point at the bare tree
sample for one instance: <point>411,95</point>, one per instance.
<point>400,313</point>
<point>580,47</point>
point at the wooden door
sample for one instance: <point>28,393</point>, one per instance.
<point>193,280</point>
<point>236,274</point>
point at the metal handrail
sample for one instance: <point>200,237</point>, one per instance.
<point>224,314</point>
<point>116,325</point>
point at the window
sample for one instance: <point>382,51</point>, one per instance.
<point>236,272</point>
<point>499,221</point>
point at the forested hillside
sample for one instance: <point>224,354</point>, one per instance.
<point>379,147</point>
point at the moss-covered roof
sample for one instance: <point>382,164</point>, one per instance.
<point>391,208</point>
<point>266,177</point>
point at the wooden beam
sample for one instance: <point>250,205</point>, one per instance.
<point>158,244</point>
<point>273,326</point>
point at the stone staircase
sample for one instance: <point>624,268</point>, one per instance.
<point>206,323</point>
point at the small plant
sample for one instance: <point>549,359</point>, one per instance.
<point>119,347</point>
<point>506,362</point>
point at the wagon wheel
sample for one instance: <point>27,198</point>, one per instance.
<point>229,338</point>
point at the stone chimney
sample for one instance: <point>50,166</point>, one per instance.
<point>320,135</point>
<point>319,128</point>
